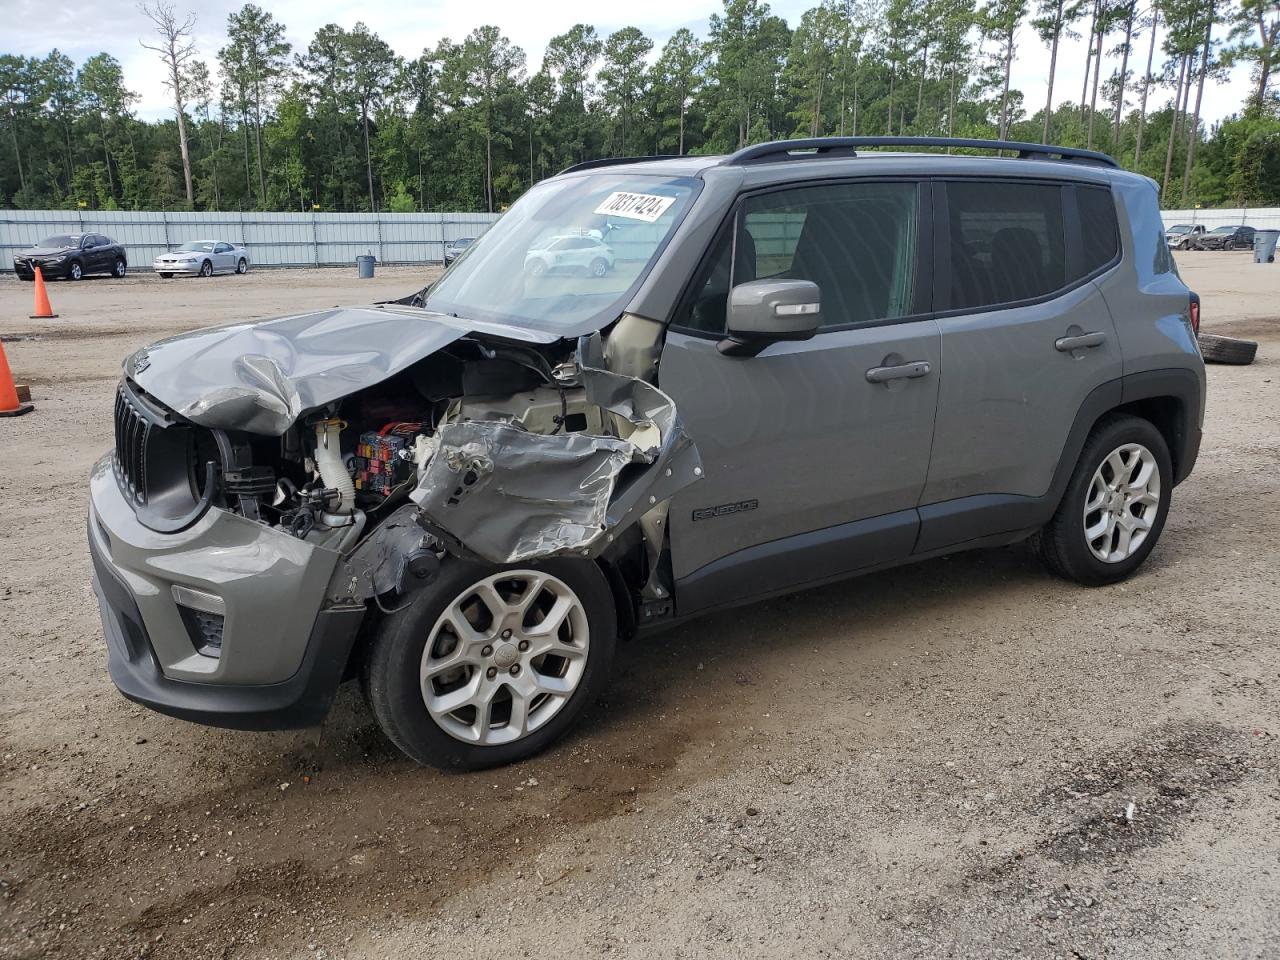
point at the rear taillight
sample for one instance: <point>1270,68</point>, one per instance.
<point>1195,313</point>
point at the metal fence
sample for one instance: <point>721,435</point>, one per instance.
<point>273,239</point>
<point>1263,218</point>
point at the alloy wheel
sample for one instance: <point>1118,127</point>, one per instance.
<point>504,657</point>
<point>1121,505</point>
<point>76,271</point>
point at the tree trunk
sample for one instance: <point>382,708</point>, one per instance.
<point>1194,129</point>
<point>1173,130</point>
<point>1124,72</point>
<point>1146,84</point>
<point>924,68</point>
<point>257,130</point>
<point>891,80</point>
<point>17,150</point>
<point>182,140</point>
<point>1088,56</point>
<point>951,108</point>
<point>244,132</point>
<point>368,157</point>
<point>1004,94</point>
<point>1053,69</point>
<point>1097,74</point>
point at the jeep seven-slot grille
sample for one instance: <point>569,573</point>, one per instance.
<point>132,428</point>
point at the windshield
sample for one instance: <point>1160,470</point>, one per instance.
<point>1180,228</point>
<point>1223,230</point>
<point>567,254</point>
<point>462,242</point>
<point>196,246</point>
<point>61,240</point>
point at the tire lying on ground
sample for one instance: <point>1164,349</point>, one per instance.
<point>1218,349</point>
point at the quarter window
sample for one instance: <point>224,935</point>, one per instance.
<point>1099,232</point>
<point>856,241</point>
<point>1007,242</point>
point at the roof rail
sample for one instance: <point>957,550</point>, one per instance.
<point>812,147</point>
<point>616,162</point>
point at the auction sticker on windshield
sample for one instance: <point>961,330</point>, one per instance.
<point>635,206</point>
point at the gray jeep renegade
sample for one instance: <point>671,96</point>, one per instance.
<point>808,360</point>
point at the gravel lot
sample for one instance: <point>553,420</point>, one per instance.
<point>933,761</point>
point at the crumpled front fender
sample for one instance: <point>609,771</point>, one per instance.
<point>497,492</point>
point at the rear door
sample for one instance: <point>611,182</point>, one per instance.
<point>814,453</point>
<point>1026,337</point>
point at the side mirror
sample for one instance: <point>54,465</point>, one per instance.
<point>765,311</point>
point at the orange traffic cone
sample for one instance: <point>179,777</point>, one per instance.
<point>43,310</point>
<point>10,406</point>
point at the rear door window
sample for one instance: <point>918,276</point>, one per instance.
<point>1006,241</point>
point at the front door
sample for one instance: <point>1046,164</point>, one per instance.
<point>814,453</point>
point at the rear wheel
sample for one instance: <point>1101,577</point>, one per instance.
<point>489,665</point>
<point>1115,505</point>
<point>599,267</point>
<point>242,266</point>
<point>119,268</point>
<point>206,269</point>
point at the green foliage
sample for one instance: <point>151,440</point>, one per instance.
<point>347,124</point>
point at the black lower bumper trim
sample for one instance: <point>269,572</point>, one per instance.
<point>301,701</point>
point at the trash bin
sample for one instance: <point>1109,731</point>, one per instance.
<point>1264,246</point>
<point>364,265</point>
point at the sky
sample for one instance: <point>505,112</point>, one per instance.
<point>80,28</point>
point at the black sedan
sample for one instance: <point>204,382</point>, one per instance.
<point>1225,238</point>
<point>72,255</point>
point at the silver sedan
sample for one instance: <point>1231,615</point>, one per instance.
<point>202,258</point>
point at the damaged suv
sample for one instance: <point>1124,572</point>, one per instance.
<point>804,361</point>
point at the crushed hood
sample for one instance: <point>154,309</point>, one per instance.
<point>261,376</point>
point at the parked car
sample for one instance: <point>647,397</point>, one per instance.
<point>816,362</point>
<point>453,249</point>
<point>1181,235</point>
<point>202,258</point>
<point>577,253</point>
<point>72,256</point>
<point>1225,238</point>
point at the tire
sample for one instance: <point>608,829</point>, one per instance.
<point>536,268</point>
<point>398,653</point>
<point>166,276</point>
<point>74,270</point>
<point>206,269</point>
<point>1064,545</point>
<point>119,268</point>
<point>1216,349</point>
<point>599,267</point>
<point>242,266</point>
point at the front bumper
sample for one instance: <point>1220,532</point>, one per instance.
<point>50,271</point>
<point>160,266</point>
<point>283,652</point>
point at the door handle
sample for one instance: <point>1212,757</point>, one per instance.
<point>903,371</point>
<point>1067,344</point>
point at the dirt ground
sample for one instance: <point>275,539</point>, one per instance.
<point>966,758</point>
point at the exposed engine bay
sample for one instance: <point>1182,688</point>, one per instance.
<point>487,449</point>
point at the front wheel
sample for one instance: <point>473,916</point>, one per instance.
<point>206,269</point>
<point>166,276</point>
<point>489,665</point>
<point>1115,505</point>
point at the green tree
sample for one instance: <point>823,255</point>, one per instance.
<point>255,59</point>
<point>677,78</point>
<point>623,80</point>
